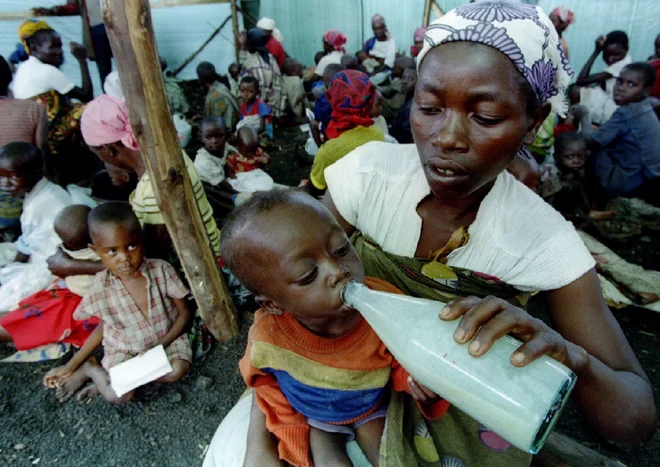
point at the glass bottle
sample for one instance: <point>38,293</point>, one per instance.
<point>520,404</point>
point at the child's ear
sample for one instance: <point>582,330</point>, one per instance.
<point>537,119</point>
<point>269,305</point>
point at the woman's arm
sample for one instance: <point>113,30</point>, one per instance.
<point>612,377</point>
<point>588,340</point>
<point>585,77</point>
<point>41,134</point>
<point>86,93</point>
<point>262,445</point>
<point>330,205</point>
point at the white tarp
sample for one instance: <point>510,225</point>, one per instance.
<point>179,32</point>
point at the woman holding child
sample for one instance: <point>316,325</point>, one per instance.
<point>442,219</point>
<point>40,79</point>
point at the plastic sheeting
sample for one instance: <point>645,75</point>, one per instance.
<point>303,23</point>
<point>179,32</point>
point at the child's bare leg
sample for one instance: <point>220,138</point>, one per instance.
<point>368,438</point>
<point>101,380</point>
<point>328,449</point>
<point>179,370</point>
<point>70,385</point>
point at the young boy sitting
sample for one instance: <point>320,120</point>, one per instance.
<point>401,125</point>
<point>234,71</point>
<point>139,302</point>
<point>211,161</point>
<point>292,81</point>
<point>626,148</point>
<point>255,112</point>
<point>320,374</point>
<point>25,270</point>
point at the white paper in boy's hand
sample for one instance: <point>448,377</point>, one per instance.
<point>139,371</point>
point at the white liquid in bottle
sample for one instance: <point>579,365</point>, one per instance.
<point>520,404</point>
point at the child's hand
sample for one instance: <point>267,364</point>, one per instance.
<point>600,43</point>
<point>601,215</point>
<point>54,377</point>
<point>78,51</point>
<point>421,393</point>
<point>579,111</point>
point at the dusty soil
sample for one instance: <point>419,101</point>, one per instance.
<point>173,425</point>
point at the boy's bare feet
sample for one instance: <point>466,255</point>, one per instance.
<point>88,393</point>
<point>69,386</point>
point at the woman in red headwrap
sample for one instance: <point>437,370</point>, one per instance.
<point>333,47</point>
<point>351,96</point>
<point>561,18</point>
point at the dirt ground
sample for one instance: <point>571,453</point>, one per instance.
<point>173,425</point>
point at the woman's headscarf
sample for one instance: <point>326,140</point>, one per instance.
<point>256,41</point>
<point>418,36</point>
<point>564,14</point>
<point>336,39</point>
<point>522,32</point>
<point>105,121</point>
<point>29,28</point>
<point>351,96</point>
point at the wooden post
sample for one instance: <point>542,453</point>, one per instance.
<point>234,28</point>
<point>427,13</point>
<point>132,38</point>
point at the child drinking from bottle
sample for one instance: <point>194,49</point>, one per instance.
<point>320,374</point>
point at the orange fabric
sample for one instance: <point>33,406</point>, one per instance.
<point>282,420</point>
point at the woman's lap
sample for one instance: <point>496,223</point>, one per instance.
<point>228,445</point>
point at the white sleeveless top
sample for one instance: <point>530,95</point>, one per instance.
<point>516,236</point>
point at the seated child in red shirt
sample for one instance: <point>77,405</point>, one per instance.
<point>320,374</point>
<point>138,301</point>
<point>255,112</point>
<point>250,156</point>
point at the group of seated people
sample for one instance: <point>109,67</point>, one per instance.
<point>419,172</point>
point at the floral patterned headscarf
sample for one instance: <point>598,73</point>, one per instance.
<point>522,32</point>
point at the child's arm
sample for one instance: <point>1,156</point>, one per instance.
<point>56,375</point>
<point>282,420</point>
<point>262,124</point>
<point>180,322</point>
<point>585,78</point>
<point>430,404</point>
<point>63,265</point>
<point>21,257</point>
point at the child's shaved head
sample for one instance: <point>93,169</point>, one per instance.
<point>113,213</point>
<point>213,120</point>
<point>252,220</point>
<point>350,61</point>
<point>291,66</point>
<point>71,226</point>
<point>330,71</point>
<point>248,140</point>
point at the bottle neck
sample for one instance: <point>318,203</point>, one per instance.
<point>348,292</point>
